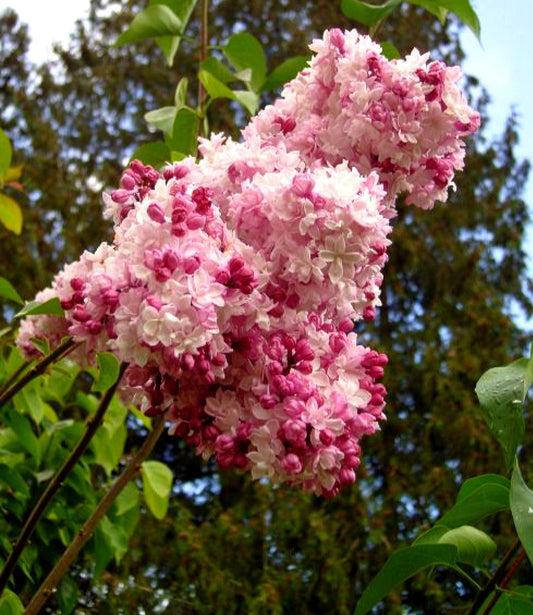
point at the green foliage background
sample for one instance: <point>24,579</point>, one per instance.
<point>228,545</point>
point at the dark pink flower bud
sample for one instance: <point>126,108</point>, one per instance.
<point>326,437</point>
<point>291,464</point>
<point>156,213</point>
<point>302,185</point>
<point>81,314</point>
<point>195,221</point>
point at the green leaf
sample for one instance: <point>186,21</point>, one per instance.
<point>22,428</point>
<point>244,51</point>
<point>67,595</point>
<point>501,392</point>
<point>185,132</point>
<point>13,479</point>
<point>29,401</point>
<point>7,291</point>
<point>218,69</point>
<point>478,497</point>
<point>155,154</point>
<point>108,447</point>
<point>249,100</point>
<point>13,173</point>
<point>390,51</point>
<point>10,214</point>
<point>461,8</point>
<point>367,14</point>
<point>127,499</point>
<point>157,482</point>
<point>432,6</point>
<point>152,22</point>
<point>34,308</point>
<point>517,602</point>
<point>473,545</point>
<point>108,371</point>
<point>528,377</point>
<point>521,499</point>
<point>180,95</point>
<point>162,118</point>
<point>10,604</point>
<point>183,9</point>
<point>6,153</point>
<point>284,72</point>
<point>400,566</point>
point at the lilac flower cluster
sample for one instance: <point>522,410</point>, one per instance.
<point>232,283</point>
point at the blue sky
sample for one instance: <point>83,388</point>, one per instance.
<point>502,61</point>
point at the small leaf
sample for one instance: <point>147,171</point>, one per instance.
<point>285,72</point>
<point>6,153</point>
<point>249,100</point>
<point>528,377</point>
<point>218,69</point>
<point>13,173</point>
<point>400,566</point>
<point>473,545</point>
<point>183,9</point>
<point>152,22</point>
<point>34,308</point>
<point>244,51</point>
<point>127,499</point>
<point>7,290</point>
<point>214,87</point>
<point>10,214</point>
<point>157,482</point>
<point>516,602</point>
<point>108,371</point>
<point>185,132</point>
<point>162,118</point>
<point>67,595</point>
<point>521,499</point>
<point>367,14</point>
<point>461,8</point>
<point>180,95</point>
<point>500,392</point>
<point>22,427</point>
<point>155,154</point>
<point>390,51</point>
<point>10,604</point>
<point>478,497</point>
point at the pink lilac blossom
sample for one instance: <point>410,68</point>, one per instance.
<point>232,283</point>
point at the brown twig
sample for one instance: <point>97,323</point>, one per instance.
<point>505,581</point>
<point>202,54</point>
<point>495,579</point>
<point>51,581</point>
<point>61,351</point>
<point>57,481</point>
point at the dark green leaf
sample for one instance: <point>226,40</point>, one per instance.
<point>479,497</point>
<point>10,604</point>
<point>500,392</point>
<point>155,154</point>
<point>528,378</point>
<point>185,132</point>
<point>432,6</point>
<point>10,214</point>
<point>6,153</point>
<point>244,51</point>
<point>67,595</point>
<point>157,482</point>
<point>517,602</point>
<point>284,72</point>
<point>400,566</point>
<point>7,291</point>
<point>217,89</point>
<point>22,427</point>
<point>152,22</point>
<point>29,401</point>
<point>367,14</point>
<point>521,499</point>
<point>390,51</point>
<point>218,69</point>
<point>108,371</point>
<point>34,308</point>
<point>13,479</point>
<point>461,8</point>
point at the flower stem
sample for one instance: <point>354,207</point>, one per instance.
<point>510,573</point>
<point>204,41</point>
<point>38,369</point>
<point>51,581</point>
<point>57,481</point>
